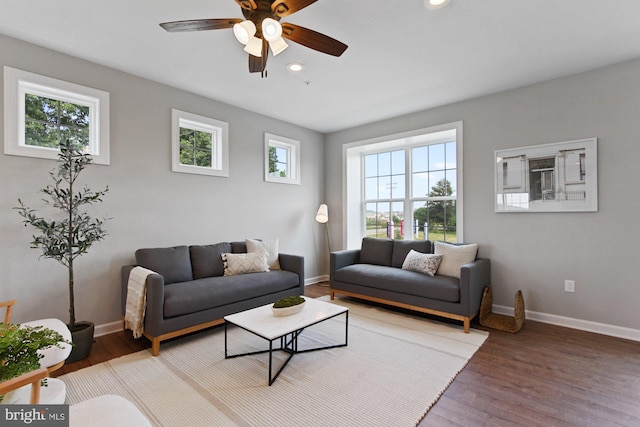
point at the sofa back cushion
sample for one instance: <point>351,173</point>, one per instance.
<point>206,261</point>
<point>402,247</point>
<point>174,264</point>
<point>376,251</point>
<point>238,247</point>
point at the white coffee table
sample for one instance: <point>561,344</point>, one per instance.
<point>260,321</point>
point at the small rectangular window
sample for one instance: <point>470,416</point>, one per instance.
<point>282,159</point>
<point>41,112</point>
<point>200,145</point>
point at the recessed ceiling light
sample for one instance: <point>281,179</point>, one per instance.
<point>435,4</point>
<point>295,67</point>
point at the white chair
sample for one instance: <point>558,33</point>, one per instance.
<point>53,358</point>
<point>102,411</point>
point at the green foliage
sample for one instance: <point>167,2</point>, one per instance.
<point>50,121</point>
<point>19,347</point>
<point>288,302</point>
<point>75,232</point>
<point>274,163</point>
<point>195,148</point>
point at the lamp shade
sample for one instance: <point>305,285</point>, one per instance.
<point>254,47</point>
<point>278,45</point>
<point>271,29</point>
<point>323,214</point>
<point>244,31</point>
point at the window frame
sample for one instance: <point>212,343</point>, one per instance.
<point>219,144</point>
<point>353,166</point>
<point>18,83</point>
<point>292,146</point>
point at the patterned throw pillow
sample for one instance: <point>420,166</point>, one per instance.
<point>234,264</point>
<point>422,263</point>
<point>271,248</point>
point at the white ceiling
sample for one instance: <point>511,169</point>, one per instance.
<point>401,58</point>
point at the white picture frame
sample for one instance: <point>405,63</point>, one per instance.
<point>557,177</point>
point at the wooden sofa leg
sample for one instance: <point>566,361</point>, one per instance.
<point>331,295</point>
<point>155,346</point>
<point>467,324</point>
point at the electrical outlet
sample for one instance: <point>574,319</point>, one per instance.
<point>569,286</point>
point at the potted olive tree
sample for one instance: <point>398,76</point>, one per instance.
<point>71,233</point>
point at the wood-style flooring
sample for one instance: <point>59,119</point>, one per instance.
<point>544,375</point>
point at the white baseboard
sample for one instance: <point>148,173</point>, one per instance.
<point>108,328</point>
<point>317,279</point>
<point>569,322</point>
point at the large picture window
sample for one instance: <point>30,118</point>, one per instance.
<point>41,112</point>
<point>200,145</point>
<point>409,186</point>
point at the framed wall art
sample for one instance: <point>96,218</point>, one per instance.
<point>559,177</point>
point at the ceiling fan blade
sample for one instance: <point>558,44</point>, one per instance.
<point>313,39</point>
<point>247,4</point>
<point>199,24</point>
<point>257,64</point>
<point>287,7</point>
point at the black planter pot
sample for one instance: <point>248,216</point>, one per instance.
<point>82,338</point>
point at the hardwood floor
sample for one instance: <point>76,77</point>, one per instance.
<point>544,375</point>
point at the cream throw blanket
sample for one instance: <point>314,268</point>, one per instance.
<point>136,300</point>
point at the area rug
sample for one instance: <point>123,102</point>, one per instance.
<point>393,370</point>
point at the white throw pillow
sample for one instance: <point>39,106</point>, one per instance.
<point>234,264</point>
<point>269,246</point>
<point>454,257</point>
<point>422,263</point>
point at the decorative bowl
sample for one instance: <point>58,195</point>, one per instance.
<point>287,311</point>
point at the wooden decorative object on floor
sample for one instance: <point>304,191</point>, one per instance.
<point>500,321</point>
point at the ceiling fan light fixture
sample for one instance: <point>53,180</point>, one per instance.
<point>271,29</point>
<point>254,47</point>
<point>435,4</point>
<point>278,45</point>
<point>244,31</point>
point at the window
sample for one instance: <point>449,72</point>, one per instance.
<point>41,112</point>
<point>282,159</point>
<point>200,145</point>
<point>408,186</point>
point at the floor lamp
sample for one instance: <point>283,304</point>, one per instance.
<point>322,216</point>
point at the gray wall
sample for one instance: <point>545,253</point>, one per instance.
<point>536,252</point>
<point>150,205</point>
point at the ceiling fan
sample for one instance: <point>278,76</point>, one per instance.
<point>261,29</point>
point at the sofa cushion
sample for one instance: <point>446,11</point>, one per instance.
<point>235,264</point>
<point>211,292</point>
<point>206,261</point>
<point>402,247</point>
<point>376,251</point>
<point>173,264</point>
<point>454,257</point>
<point>422,263</point>
<point>442,288</point>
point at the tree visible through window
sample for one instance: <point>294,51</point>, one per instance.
<point>195,147</point>
<point>48,122</point>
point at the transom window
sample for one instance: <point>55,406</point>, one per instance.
<point>409,186</point>
<point>41,112</point>
<point>200,145</point>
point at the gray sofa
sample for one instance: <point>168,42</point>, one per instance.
<point>190,292</point>
<point>374,272</point>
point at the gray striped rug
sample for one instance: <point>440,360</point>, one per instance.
<point>394,369</point>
